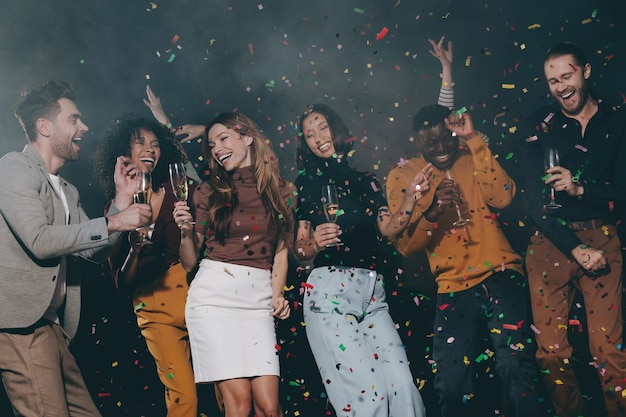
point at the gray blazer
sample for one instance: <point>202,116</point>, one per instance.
<point>34,237</point>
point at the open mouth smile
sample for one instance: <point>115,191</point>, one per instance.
<point>324,147</point>
<point>224,157</point>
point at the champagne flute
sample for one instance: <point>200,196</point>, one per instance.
<point>178,178</point>
<point>142,196</point>
<point>331,206</point>
<point>551,159</point>
<point>460,221</point>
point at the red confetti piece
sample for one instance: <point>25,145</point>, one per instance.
<point>251,49</point>
<point>443,307</point>
<point>382,33</point>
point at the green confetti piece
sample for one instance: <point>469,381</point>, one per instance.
<point>170,375</point>
<point>509,156</point>
<point>460,111</point>
<point>171,59</point>
<point>342,347</point>
<point>140,306</point>
<point>357,10</point>
<point>481,358</point>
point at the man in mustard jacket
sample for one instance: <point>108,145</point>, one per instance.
<point>481,289</point>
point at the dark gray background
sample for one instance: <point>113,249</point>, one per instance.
<point>303,53</point>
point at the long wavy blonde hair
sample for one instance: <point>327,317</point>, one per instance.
<point>223,198</point>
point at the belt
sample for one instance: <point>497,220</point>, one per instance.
<point>587,225</point>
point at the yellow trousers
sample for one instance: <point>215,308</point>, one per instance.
<point>160,310</point>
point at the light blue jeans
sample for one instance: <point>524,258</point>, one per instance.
<point>356,346</point>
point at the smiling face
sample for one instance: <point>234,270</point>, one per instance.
<point>438,146</point>
<point>318,136</point>
<point>145,150</point>
<point>567,83</point>
<point>66,130</point>
<point>229,148</point>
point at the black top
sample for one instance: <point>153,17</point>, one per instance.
<point>598,159</point>
<point>360,195</point>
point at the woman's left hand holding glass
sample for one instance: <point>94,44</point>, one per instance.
<point>182,216</point>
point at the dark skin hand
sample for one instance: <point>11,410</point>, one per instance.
<point>447,194</point>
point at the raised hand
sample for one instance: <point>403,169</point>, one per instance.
<point>186,133</point>
<point>461,125</point>
<point>444,56</point>
<point>154,104</point>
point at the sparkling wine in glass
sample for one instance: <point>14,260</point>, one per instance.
<point>178,178</point>
<point>460,221</point>
<point>142,196</point>
<point>551,159</point>
<point>331,205</point>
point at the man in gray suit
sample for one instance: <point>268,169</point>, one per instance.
<point>41,223</point>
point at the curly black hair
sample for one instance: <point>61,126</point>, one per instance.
<point>116,142</point>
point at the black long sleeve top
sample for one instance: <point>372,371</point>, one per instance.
<point>597,158</point>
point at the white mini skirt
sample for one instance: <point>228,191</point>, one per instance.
<point>231,332</point>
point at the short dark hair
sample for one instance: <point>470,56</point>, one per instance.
<point>41,101</point>
<point>567,48</point>
<point>430,116</point>
<point>339,130</point>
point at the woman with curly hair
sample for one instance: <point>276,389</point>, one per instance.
<point>152,273</point>
<point>243,225</point>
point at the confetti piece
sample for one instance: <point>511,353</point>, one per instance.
<point>383,32</point>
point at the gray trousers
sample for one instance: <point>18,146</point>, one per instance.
<point>41,376</point>
<point>356,346</point>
